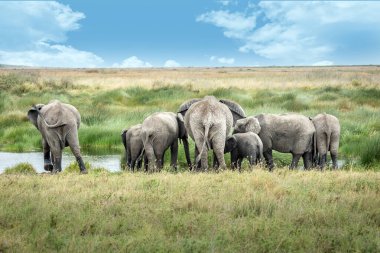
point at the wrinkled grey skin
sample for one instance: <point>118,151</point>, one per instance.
<point>244,145</point>
<point>58,124</point>
<point>134,146</point>
<point>285,133</point>
<point>327,138</point>
<point>160,131</point>
<point>209,121</point>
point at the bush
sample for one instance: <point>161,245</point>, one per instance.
<point>21,168</point>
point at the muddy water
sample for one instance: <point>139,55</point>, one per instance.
<point>110,162</point>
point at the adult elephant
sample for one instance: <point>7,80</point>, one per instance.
<point>160,131</point>
<point>327,138</point>
<point>209,121</point>
<point>285,133</point>
<point>133,145</point>
<point>58,124</point>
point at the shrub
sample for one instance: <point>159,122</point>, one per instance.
<point>21,168</point>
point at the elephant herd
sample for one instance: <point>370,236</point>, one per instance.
<point>217,124</point>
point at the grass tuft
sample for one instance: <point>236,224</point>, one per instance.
<point>21,168</point>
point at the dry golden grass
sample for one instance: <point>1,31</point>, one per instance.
<point>284,211</point>
<point>206,78</point>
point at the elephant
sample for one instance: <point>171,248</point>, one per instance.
<point>160,131</point>
<point>244,145</point>
<point>134,147</point>
<point>209,121</point>
<point>327,138</point>
<point>58,124</point>
<point>286,133</point>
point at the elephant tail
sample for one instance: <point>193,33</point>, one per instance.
<point>205,143</point>
<point>261,153</point>
<point>314,158</point>
<point>141,155</point>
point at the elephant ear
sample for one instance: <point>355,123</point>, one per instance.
<point>236,110</point>
<point>181,127</point>
<point>186,105</point>
<point>33,114</point>
<point>123,137</point>
<point>253,125</point>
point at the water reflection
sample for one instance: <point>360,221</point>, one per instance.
<point>109,162</point>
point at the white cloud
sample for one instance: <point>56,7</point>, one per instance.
<point>171,64</point>
<point>236,25</point>
<point>33,33</point>
<point>51,56</point>
<point>301,32</point>
<point>323,63</point>
<point>222,60</point>
<point>133,62</point>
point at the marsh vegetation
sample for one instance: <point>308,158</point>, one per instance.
<point>110,100</point>
<point>251,211</point>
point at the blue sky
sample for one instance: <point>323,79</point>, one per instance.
<point>173,33</point>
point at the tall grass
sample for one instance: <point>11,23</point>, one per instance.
<point>226,212</point>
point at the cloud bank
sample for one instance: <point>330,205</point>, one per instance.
<point>304,32</point>
<point>34,33</point>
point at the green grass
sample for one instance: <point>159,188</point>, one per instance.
<point>21,168</point>
<point>106,112</point>
<point>255,211</point>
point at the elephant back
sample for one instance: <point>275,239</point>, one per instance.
<point>56,114</point>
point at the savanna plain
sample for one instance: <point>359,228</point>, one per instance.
<point>180,211</point>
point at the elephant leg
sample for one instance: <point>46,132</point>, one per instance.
<point>72,139</point>
<point>151,157</point>
<point>128,158</point>
<point>334,158</point>
<point>160,161</point>
<point>187,152</point>
<point>174,154</point>
<point>218,143</point>
<point>295,159</point>
<point>146,163</point>
<point>307,160</point>
<point>57,159</point>
<point>215,163</point>
<point>234,158</point>
<point>252,159</point>
<point>139,164</point>
<point>269,159</point>
<point>240,159</point>
<point>334,146</point>
<point>48,166</point>
<point>197,166</point>
<point>132,165</point>
<point>322,161</point>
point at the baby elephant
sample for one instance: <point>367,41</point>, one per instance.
<point>133,145</point>
<point>244,145</point>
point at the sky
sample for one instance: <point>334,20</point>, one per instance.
<point>189,33</point>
